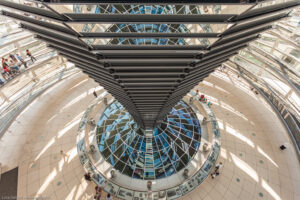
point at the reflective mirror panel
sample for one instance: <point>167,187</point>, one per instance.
<point>148,154</point>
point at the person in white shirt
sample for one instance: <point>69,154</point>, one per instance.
<point>108,197</point>
<point>217,170</point>
<point>218,167</point>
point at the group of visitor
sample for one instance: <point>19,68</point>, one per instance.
<point>203,99</point>
<point>98,189</point>
<point>11,65</point>
<point>98,194</point>
<point>254,90</point>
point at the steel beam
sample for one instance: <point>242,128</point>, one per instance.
<point>203,64</point>
<point>214,54</point>
<point>54,36</point>
<point>148,61</point>
<point>147,53</point>
<point>33,10</point>
<point>146,95</point>
<point>82,60</point>
<point>267,10</point>
<point>162,84</point>
<point>185,88</point>
<point>147,79</point>
<point>149,91</point>
<point>115,93</point>
<point>150,67</point>
<point>150,47</point>
<point>240,35</point>
<point>149,87</point>
<point>143,103</point>
<point>151,2</point>
<point>94,72</point>
<point>237,42</point>
<point>149,19</point>
<point>147,100</point>
<point>254,23</point>
<point>87,56</point>
<point>105,81</point>
<point>149,74</point>
<point>149,97</point>
<point>146,35</point>
<point>40,23</point>
<point>150,56</point>
<point>71,51</point>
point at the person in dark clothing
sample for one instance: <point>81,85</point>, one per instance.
<point>88,177</point>
<point>13,57</point>
<point>95,94</point>
<point>108,197</point>
<point>28,53</point>
<point>282,147</point>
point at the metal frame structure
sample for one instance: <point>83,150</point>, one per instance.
<point>147,79</point>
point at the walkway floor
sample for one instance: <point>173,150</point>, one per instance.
<point>251,133</point>
<point>254,167</point>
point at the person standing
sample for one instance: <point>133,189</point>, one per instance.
<point>217,170</point>
<point>209,104</point>
<point>6,69</point>
<point>4,63</point>
<point>13,57</point>
<point>87,176</point>
<point>282,147</point>
<point>13,66</point>
<point>98,190</point>
<point>201,97</point>
<point>64,155</point>
<point>28,53</point>
<point>21,60</point>
<point>108,197</point>
<point>1,82</point>
<point>95,93</point>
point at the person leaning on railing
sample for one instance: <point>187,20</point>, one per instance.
<point>7,72</point>
<point>21,60</point>
<point>14,68</point>
<point>1,82</point>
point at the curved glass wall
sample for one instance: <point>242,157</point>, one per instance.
<point>20,88</point>
<point>145,154</point>
<point>272,64</point>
